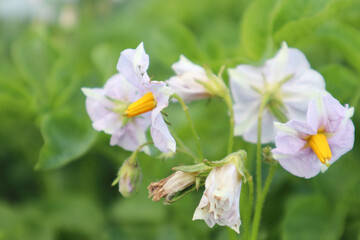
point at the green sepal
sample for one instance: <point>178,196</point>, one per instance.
<point>181,194</point>
<point>278,109</point>
<point>197,182</point>
<point>215,86</point>
<point>267,156</point>
<point>192,168</point>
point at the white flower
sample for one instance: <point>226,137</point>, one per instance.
<point>192,82</point>
<point>304,148</point>
<point>287,78</point>
<point>129,103</point>
<point>220,202</point>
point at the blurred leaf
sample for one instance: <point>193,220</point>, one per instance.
<point>105,57</point>
<point>17,224</point>
<point>138,209</point>
<point>67,136</point>
<point>76,214</point>
<point>309,217</point>
<point>310,20</point>
<point>344,38</point>
<point>256,28</point>
<point>340,80</point>
<point>34,59</point>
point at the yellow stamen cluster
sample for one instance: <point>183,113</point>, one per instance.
<point>145,104</point>
<point>320,146</point>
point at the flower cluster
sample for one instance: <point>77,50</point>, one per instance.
<point>283,101</point>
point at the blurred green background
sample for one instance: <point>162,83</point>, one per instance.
<point>56,171</point>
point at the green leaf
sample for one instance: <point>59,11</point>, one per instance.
<point>67,136</point>
<point>341,89</point>
<point>309,217</point>
<point>34,58</point>
<point>105,57</point>
<point>310,20</point>
<point>256,28</point>
<point>345,39</point>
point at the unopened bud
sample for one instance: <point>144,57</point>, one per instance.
<point>168,187</point>
<point>129,176</point>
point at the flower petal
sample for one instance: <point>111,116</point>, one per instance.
<point>133,134</point>
<point>118,88</point>
<point>304,164</point>
<point>343,140</point>
<point>287,61</point>
<point>184,65</point>
<point>159,130</point>
<point>133,64</point>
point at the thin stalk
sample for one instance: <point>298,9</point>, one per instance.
<point>183,148</point>
<point>249,202</point>
<point>189,153</point>
<point>229,104</point>
<point>192,126</point>
<point>260,203</point>
<point>258,206</point>
<point>133,155</point>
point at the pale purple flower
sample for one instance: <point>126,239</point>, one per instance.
<point>304,148</point>
<point>189,81</point>
<point>129,103</point>
<point>220,201</point>
<point>287,77</point>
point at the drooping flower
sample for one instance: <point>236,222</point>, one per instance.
<point>220,201</point>
<point>168,187</point>
<point>193,82</point>
<point>129,103</point>
<point>286,80</point>
<point>304,148</point>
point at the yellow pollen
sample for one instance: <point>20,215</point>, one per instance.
<point>145,104</point>
<point>320,146</point>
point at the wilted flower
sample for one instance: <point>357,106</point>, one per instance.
<point>129,175</point>
<point>173,184</point>
<point>129,103</point>
<point>194,82</point>
<point>304,148</point>
<point>288,82</point>
<point>220,202</point>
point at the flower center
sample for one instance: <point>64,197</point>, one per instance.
<point>320,146</point>
<point>145,104</point>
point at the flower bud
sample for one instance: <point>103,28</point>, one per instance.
<point>168,187</point>
<point>129,176</point>
<point>193,82</point>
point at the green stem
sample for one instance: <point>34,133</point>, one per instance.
<point>192,126</point>
<point>229,104</point>
<point>260,202</point>
<point>249,202</point>
<point>258,207</point>
<point>133,155</point>
<point>183,148</point>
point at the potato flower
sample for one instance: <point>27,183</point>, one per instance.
<point>304,148</point>
<point>129,103</point>
<point>220,201</point>
<point>193,82</point>
<point>286,79</point>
